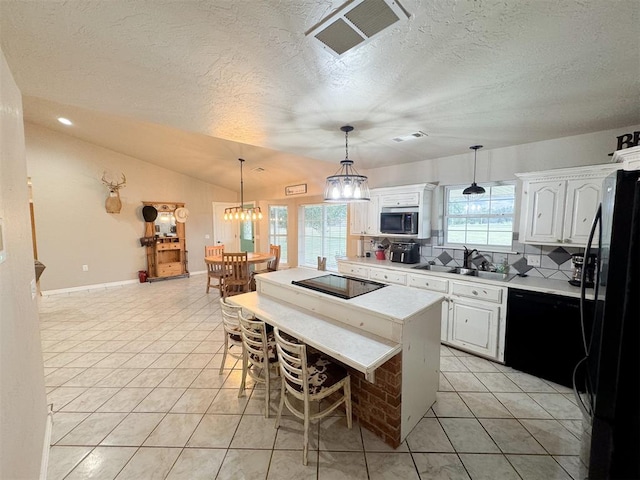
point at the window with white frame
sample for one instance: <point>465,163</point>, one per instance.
<point>486,220</point>
<point>322,233</point>
<point>278,218</point>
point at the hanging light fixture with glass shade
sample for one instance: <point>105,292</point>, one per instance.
<point>347,185</point>
<point>240,212</point>
<point>474,189</point>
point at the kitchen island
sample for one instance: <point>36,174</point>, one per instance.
<point>389,340</point>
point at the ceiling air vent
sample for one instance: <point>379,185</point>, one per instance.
<point>356,23</point>
<point>411,136</point>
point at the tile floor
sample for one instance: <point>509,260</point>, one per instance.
<point>132,373</point>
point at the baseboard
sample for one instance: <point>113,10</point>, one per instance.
<point>98,286</point>
<point>83,288</point>
<point>46,447</point>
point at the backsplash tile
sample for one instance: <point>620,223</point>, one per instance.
<point>555,261</point>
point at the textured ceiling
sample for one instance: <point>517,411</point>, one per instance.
<point>217,79</point>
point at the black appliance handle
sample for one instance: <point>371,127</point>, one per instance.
<point>586,411</point>
<point>597,223</point>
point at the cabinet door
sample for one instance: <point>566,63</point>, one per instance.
<point>409,199</point>
<point>372,226</point>
<point>583,197</point>
<point>357,218</point>
<point>474,326</point>
<point>544,211</point>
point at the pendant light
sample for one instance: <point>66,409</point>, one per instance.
<point>347,185</point>
<point>239,212</point>
<point>474,189</point>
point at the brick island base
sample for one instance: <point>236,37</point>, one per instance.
<point>377,406</point>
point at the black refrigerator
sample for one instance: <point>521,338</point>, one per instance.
<point>607,380</point>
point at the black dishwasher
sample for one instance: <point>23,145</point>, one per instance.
<point>543,334</point>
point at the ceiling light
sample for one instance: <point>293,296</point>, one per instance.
<point>239,212</point>
<point>347,185</point>
<point>474,189</point>
<point>65,121</point>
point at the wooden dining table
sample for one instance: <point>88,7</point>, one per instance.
<point>252,258</point>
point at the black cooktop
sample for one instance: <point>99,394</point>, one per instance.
<point>343,287</point>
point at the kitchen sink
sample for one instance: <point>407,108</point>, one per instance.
<point>470,272</point>
<point>435,268</point>
<point>504,277</point>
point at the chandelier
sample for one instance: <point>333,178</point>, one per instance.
<point>240,212</point>
<point>347,185</point>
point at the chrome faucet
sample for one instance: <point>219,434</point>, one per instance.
<point>467,257</point>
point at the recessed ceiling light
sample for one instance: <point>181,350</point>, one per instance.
<point>65,121</point>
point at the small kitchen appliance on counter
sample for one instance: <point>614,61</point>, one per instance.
<point>404,252</point>
<point>577,259</point>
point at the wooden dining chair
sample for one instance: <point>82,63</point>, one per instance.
<point>231,329</point>
<point>214,270</point>
<point>236,274</point>
<point>258,355</point>
<point>272,265</point>
<point>309,378</point>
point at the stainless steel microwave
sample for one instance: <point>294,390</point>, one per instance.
<point>399,223</point>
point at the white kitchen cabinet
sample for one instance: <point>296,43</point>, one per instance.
<point>473,326</point>
<point>558,206</point>
<point>403,199</point>
<point>387,276</point>
<point>434,284</point>
<point>353,270</point>
<point>364,217</point>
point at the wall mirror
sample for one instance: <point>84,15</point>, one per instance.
<point>165,224</point>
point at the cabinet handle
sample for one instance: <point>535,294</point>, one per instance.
<point>559,240</point>
<point>426,283</point>
<point>567,240</point>
<point>385,276</point>
<point>475,292</point>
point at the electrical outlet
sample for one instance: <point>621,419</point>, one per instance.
<point>85,268</point>
<point>533,260</point>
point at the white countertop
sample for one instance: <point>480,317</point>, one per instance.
<point>352,346</point>
<point>536,284</point>
<point>395,302</point>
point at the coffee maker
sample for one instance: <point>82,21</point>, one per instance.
<point>578,261</point>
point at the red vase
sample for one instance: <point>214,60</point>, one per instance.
<point>380,254</point>
<point>142,275</point>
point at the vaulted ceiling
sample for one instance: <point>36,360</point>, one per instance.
<point>192,85</point>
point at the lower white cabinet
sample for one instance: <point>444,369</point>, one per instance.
<point>473,326</point>
<point>387,276</point>
<point>473,312</point>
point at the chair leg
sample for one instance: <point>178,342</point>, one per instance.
<point>208,282</point>
<point>267,386</point>
<point>347,406</point>
<point>305,451</point>
<point>224,352</point>
<point>245,368</point>
<point>282,394</point>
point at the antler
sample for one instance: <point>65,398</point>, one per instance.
<point>112,185</point>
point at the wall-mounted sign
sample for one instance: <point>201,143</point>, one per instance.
<point>295,189</point>
<point>627,140</point>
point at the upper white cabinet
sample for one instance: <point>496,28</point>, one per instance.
<point>629,158</point>
<point>365,216</point>
<point>558,206</point>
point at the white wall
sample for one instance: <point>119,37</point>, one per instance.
<point>22,392</point>
<point>72,226</point>
<point>502,163</point>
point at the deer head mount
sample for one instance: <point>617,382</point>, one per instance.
<point>113,203</point>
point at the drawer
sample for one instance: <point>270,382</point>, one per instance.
<point>167,269</point>
<point>428,283</point>
<point>168,246</point>
<point>478,291</point>
<point>387,276</point>
<point>400,200</point>
<point>362,272</point>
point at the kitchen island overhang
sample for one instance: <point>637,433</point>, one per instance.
<point>389,339</point>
